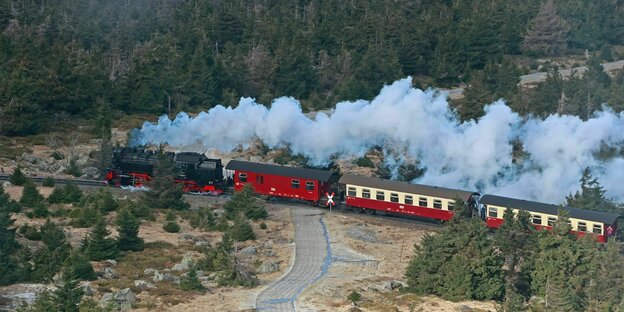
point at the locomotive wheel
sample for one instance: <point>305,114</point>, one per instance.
<point>370,211</point>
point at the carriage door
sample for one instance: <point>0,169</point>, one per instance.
<point>259,179</point>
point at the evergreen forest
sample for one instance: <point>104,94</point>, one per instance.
<point>70,58</point>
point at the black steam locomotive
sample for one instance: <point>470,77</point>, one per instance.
<point>196,172</point>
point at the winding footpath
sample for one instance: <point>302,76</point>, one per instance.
<point>312,259</point>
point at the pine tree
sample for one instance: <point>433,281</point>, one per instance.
<point>30,195</point>
<point>591,195</point>
<point>242,231</point>
<point>79,267</point>
<point>18,177</point>
<point>607,279</point>
<point>244,202</point>
<point>72,193</point>
<point>190,282</point>
<point>128,228</point>
<point>548,32</point>
<point>8,247</point>
<point>49,259</point>
<point>68,295</point>
<point>97,246</point>
<point>40,210</point>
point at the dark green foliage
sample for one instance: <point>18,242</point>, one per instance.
<point>69,293</point>
<point>245,203</point>
<point>171,227</point>
<point>6,203</point>
<point>128,228</point>
<point>458,264</point>
<point>18,177</point>
<point>241,231</point>
<point>73,193</point>
<point>591,196</point>
<point>79,267</point>
<point>163,192</point>
<point>102,200</point>
<point>30,232</point>
<point>97,246</point>
<point>57,196</point>
<point>69,193</point>
<point>49,259</point>
<point>263,226</point>
<point>40,210</point>
<point>607,277</point>
<point>354,297</point>
<point>8,245</point>
<point>30,195</point>
<point>48,182</point>
<point>73,168</point>
<point>562,268</point>
<point>364,162</point>
<point>190,282</point>
<point>83,217</point>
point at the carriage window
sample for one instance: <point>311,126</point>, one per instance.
<point>365,193</point>
<point>409,200</point>
<point>552,221</point>
<point>437,204</point>
<point>536,219</point>
<point>394,197</point>
<point>351,191</point>
<point>493,213</point>
<point>310,186</point>
<point>422,201</point>
<point>380,195</point>
<point>294,183</point>
<point>451,205</point>
<point>597,229</point>
<point>242,177</point>
<point>582,226</point>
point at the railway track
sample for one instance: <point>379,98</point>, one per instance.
<point>83,182</point>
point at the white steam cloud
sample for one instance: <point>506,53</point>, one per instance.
<point>473,155</point>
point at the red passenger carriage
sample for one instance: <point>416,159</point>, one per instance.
<point>281,181</point>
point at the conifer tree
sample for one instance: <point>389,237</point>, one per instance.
<point>68,295</point>
<point>190,282</point>
<point>49,259</point>
<point>18,177</point>
<point>72,193</point>
<point>591,196</point>
<point>128,228</point>
<point>242,231</point>
<point>244,202</point>
<point>97,246</point>
<point>30,195</point>
<point>8,246</point>
<point>79,267</point>
<point>548,32</point>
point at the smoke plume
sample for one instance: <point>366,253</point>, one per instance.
<point>472,155</point>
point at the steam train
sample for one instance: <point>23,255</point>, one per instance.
<point>194,171</point>
<point>199,174</point>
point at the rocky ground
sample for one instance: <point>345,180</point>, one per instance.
<point>149,279</point>
<point>369,255</point>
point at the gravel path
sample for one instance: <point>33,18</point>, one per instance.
<point>312,258</point>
